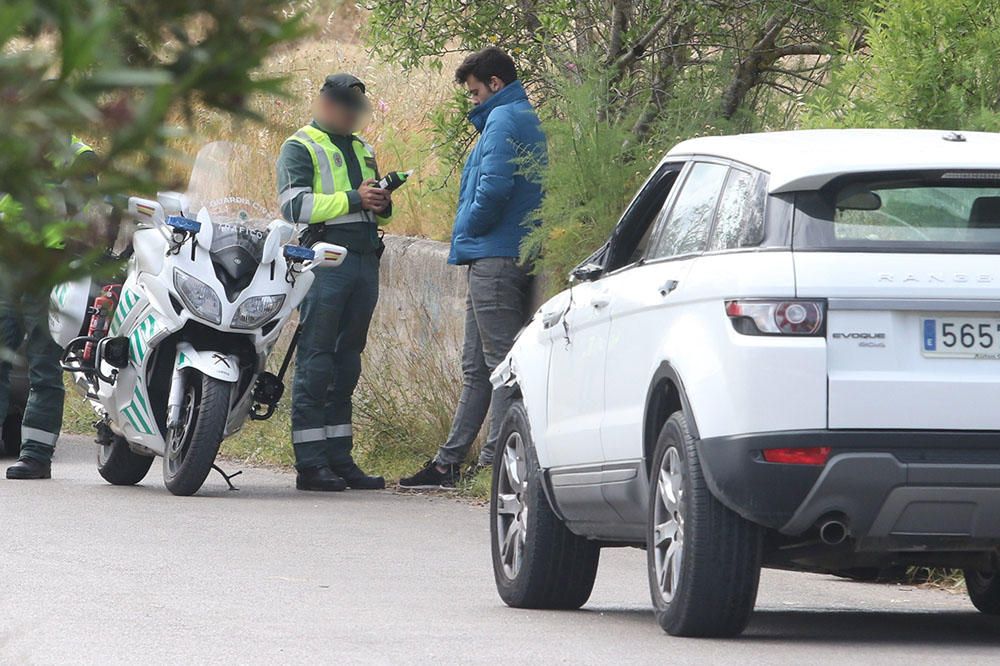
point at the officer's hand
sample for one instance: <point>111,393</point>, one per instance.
<point>373,198</point>
<point>386,203</point>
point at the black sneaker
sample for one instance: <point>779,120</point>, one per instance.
<point>429,477</point>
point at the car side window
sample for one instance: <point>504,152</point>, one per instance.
<point>740,219</point>
<point>631,236</point>
<point>685,227</point>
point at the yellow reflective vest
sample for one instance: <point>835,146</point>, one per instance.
<point>327,201</point>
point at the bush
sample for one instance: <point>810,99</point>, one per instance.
<point>926,63</point>
<point>592,173</point>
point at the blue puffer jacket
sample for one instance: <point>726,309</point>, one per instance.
<point>497,195</point>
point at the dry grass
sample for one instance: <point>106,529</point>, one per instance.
<point>408,391</point>
<point>399,128</point>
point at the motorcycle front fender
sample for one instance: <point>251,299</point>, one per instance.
<point>224,367</point>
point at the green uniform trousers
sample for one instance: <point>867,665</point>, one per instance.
<point>335,316</point>
<point>25,319</point>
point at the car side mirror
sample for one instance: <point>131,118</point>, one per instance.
<point>586,273</point>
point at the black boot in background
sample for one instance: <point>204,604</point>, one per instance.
<point>357,479</point>
<point>320,478</point>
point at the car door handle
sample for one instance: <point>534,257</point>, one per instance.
<point>599,302</point>
<point>668,287</point>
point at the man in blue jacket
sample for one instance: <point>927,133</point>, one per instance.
<point>499,190</point>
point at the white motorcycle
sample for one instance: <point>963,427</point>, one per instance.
<point>182,364</point>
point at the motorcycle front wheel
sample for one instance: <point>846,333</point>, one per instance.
<point>192,447</point>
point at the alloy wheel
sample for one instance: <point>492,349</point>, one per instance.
<point>668,531</point>
<point>512,510</point>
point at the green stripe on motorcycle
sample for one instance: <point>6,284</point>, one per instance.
<point>145,426</point>
<point>138,347</point>
<point>142,401</point>
<point>130,419</point>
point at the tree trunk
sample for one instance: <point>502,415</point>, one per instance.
<point>668,68</point>
<point>761,55</point>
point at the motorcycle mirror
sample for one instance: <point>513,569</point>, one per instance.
<point>145,210</point>
<point>279,233</point>
<point>206,233</point>
<point>328,254</point>
<point>174,203</point>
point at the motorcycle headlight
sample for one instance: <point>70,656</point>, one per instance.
<point>198,297</point>
<point>256,311</point>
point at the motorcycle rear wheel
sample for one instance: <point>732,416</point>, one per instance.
<point>191,449</point>
<point>119,465</point>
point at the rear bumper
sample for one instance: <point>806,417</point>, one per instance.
<point>896,490</point>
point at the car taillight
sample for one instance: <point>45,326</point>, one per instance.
<point>784,317</point>
<point>814,455</point>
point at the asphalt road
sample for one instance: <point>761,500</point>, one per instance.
<point>95,574</point>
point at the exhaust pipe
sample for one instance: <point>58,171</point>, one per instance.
<point>832,532</point>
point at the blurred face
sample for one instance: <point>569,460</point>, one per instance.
<point>480,91</point>
<point>336,117</point>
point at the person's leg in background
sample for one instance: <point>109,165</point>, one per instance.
<point>351,340</point>
<point>494,314</point>
<point>44,412</point>
<point>11,337</point>
<point>500,311</point>
<point>473,404</point>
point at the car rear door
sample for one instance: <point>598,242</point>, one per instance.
<point>913,297</point>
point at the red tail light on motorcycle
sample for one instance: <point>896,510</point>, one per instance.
<point>777,317</point>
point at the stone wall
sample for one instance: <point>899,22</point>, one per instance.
<point>422,297</point>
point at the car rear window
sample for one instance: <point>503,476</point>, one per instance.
<point>956,211</point>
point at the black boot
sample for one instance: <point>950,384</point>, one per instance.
<point>319,478</point>
<point>29,468</point>
<point>357,479</point>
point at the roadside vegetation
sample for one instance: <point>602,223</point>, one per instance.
<point>617,82</point>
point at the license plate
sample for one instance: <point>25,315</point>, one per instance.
<point>960,337</point>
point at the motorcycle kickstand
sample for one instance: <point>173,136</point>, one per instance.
<point>227,477</point>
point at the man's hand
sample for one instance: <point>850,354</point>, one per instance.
<point>373,198</point>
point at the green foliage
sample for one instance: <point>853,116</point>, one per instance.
<point>591,175</point>
<point>118,74</point>
<point>926,63</point>
<point>434,28</point>
<point>618,83</point>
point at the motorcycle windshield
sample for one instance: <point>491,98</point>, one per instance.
<point>234,184</point>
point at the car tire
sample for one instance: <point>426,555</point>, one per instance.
<point>537,561</point>
<point>11,435</point>
<point>703,559</point>
<point>984,590</point>
<point>119,465</point>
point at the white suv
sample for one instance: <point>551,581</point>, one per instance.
<point>786,355</point>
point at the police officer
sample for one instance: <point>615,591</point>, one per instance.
<point>327,184</point>
<point>25,316</point>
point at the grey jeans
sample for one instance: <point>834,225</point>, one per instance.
<point>495,310</point>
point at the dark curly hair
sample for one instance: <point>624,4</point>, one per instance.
<point>486,64</point>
